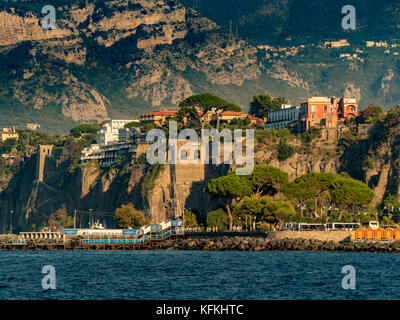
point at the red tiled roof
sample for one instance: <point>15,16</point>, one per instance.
<point>162,113</point>
<point>255,118</point>
<point>231,113</point>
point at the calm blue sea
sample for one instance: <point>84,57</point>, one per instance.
<point>198,275</point>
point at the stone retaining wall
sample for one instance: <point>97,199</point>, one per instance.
<point>336,236</point>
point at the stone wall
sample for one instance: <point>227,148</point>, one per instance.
<point>312,235</point>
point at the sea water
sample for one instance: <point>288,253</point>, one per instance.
<point>198,275</point>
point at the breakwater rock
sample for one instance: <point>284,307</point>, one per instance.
<point>285,244</point>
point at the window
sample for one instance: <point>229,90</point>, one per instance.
<point>196,154</point>
<point>325,108</point>
<point>313,108</point>
<point>183,155</point>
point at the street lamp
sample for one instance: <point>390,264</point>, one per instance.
<point>11,213</point>
<point>90,217</point>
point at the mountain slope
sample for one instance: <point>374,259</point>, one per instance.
<point>115,59</point>
<point>122,58</point>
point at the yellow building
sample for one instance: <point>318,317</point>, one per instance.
<point>156,117</point>
<point>8,133</point>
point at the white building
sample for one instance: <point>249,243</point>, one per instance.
<point>282,118</point>
<point>32,126</point>
<point>111,131</point>
<point>112,140</point>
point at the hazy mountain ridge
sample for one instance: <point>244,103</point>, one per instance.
<point>120,59</point>
<point>116,58</point>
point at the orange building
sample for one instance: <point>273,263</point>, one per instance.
<point>326,112</point>
<point>359,234</point>
<point>379,234</point>
<point>229,115</point>
<point>156,117</point>
<point>389,233</point>
<point>397,234</point>
<point>347,108</point>
<point>369,234</point>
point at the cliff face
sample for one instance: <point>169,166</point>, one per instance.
<point>161,191</point>
<point>158,195</point>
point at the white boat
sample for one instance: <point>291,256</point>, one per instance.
<point>97,225</point>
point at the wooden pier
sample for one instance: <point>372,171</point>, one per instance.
<point>78,245</point>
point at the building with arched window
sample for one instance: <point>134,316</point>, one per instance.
<point>326,112</point>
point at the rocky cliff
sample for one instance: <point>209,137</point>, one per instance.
<point>367,152</point>
<point>158,191</point>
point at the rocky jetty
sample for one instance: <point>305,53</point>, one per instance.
<point>286,244</point>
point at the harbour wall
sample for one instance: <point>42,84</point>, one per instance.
<point>336,236</point>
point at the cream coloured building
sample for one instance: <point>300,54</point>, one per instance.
<point>283,117</point>
<point>8,133</point>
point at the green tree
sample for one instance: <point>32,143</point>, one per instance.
<point>190,219</point>
<point>266,180</point>
<point>229,188</point>
<point>84,128</point>
<point>284,211</point>
<point>218,219</point>
<point>60,218</point>
<point>350,194</point>
<point>263,103</point>
<point>149,126</point>
<point>207,102</point>
<point>370,114</point>
<point>132,124</point>
<point>189,116</point>
<point>264,209</point>
<point>310,187</point>
<point>128,217</point>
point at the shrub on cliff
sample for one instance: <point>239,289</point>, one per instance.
<point>152,173</point>
<point>285,151</point>
<point>311,134</point>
